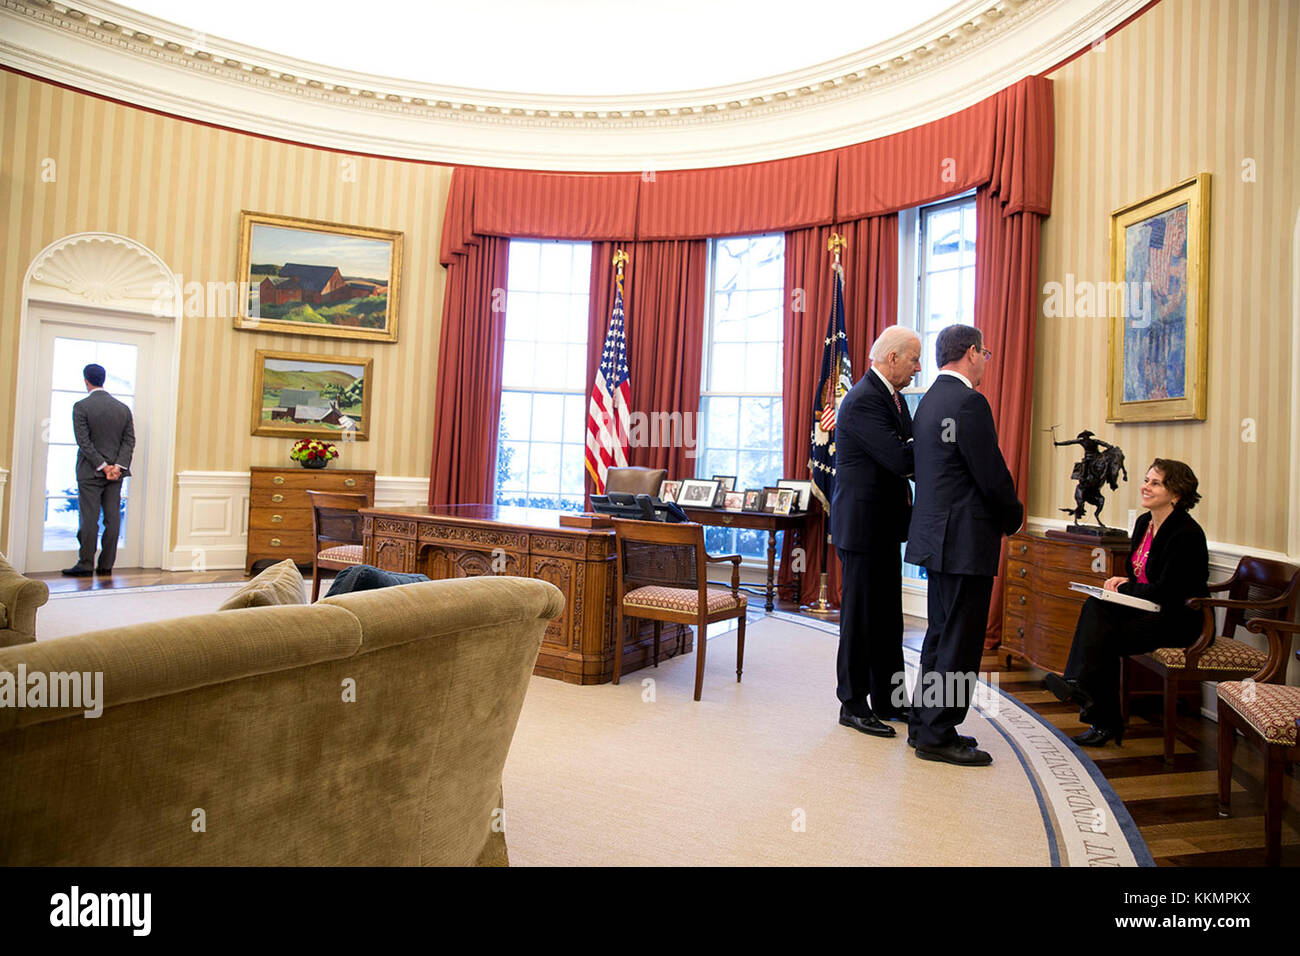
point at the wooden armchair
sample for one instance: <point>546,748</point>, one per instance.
<point>336,526</point>
<point>661,572</point>
<point>1266,712</point>
<point>1258,588</point>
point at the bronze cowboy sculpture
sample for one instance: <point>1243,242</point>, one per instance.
<point>1102,463</point>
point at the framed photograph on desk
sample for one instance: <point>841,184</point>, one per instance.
<point>802,489</point>
<point>697,493</point>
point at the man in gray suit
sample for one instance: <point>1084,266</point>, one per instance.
<point>105,441</point>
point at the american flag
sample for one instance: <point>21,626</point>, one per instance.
<point>1164,241</point>
<point>836,377</point>
<point>607,415</point>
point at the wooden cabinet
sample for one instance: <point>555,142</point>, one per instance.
<point>1040,611</point>
<point>279,512</point>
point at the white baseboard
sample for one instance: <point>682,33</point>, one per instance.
<point>212,515</point>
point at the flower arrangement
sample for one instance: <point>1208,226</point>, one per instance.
<point>313,453</point>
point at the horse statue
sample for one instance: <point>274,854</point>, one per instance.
<point>1102,464</point>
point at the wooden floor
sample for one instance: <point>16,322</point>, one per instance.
<point>1175,806</point>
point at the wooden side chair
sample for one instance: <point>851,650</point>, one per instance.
<point>1268,714</point>
<point>661,576</point>
<point>336,529</point>
<point>1259,587</point>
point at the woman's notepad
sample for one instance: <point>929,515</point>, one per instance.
<point>1140,603</point>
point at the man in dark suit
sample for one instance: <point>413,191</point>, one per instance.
<point>105,442</point>
<point>869,514</point>
<point>965,501</point>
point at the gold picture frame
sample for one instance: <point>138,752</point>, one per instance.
<point>311,277</point>
<point>324,401</point>
<point>1158,334</point>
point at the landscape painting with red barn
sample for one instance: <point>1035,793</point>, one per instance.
<point>308,277</point>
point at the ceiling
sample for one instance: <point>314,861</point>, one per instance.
<point>561,47</point>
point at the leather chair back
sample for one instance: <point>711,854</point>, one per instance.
<point>635,480</point>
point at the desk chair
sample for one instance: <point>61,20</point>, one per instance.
<point>661,576</point>
<point>1267,713</point>
<point>336,525</point>
<point>1258,588</point>
<point>635,481</point>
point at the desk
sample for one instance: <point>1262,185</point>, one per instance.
<point>762,521</point>
<point>456,541</point>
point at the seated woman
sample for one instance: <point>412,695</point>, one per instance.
<point>1168,563</point>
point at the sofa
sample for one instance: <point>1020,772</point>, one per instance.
<point>19,599</point>
<point>367,729</point>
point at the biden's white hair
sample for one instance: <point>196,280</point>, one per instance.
<point>893,339</point>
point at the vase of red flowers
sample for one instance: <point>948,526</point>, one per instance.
<point>313,453</point>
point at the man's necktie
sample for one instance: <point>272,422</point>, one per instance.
<point>897,404</point>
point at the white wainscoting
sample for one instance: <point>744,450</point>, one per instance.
<point>212,515</point>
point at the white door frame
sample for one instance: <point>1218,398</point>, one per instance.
<point>98,276</point>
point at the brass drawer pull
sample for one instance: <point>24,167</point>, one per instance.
<point>277,480</point>
<point>275,542</point>
<point>276,499</point>
<point>1023,571</point>
<point>1022,599</point>
<point>276,519</point>
<point>1020,632</point>
<point>1024,549</point>
<point>350,482</point>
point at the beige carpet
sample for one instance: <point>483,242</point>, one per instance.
<point>600,776</point>
<point>76,612</point>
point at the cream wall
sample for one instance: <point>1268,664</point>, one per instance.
<point>1193,85</point>
<point>178,188</point>
<point>1190,86</point>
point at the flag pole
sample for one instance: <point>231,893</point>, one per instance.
<point>822,608</point>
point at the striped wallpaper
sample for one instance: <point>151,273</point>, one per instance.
<point>178,188</point>
<point>1190,86</point>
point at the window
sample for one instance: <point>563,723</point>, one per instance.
<point>937,260</point>
<point>740,400</point>
<point>541,442</point>
<point>945,279</point>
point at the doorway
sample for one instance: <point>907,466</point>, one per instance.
<point>65,348</point>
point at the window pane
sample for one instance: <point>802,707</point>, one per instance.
<point>60,424</point>
<point>523,267</point>
<point>548,420</point>
<point>763,367</point>
<point>516,414</point>
<point>553,317</point>
<point>943,237</point>
<point>517,366</point>
<point>721,417</point>
<point>728,364</point>
<point>968,296</point>
<point>70,357</point>
<point>544,468</point>
<point>521,315</point>
<point>549,370</point>
<point>941,300</point>
<point>556,267</point>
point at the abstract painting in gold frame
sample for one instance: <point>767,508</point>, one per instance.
<point>308,277</point>
<point>1160,267</point>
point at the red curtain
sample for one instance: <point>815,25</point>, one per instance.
<point>663,304</point>
<point>470,353</point>
<point>1009,214</point>
<point>870,304</point>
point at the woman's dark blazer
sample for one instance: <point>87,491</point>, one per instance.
<point>1178,568</point>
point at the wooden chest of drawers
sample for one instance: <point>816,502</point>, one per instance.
<point>1040,611</point>
<point>279,512</point>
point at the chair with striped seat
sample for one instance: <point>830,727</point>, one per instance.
<point>1259,587</point>
<point>1267,713</point>
<point>336,528</point>
<point>661,572</point>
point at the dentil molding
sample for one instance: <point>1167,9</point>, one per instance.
<point>969,52</point>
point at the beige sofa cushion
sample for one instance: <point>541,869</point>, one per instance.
<point>278,585</point>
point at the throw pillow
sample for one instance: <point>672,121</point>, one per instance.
<point>279,584</point>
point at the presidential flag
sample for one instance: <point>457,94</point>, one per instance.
<point>607,414</point>
<point>836,380</point>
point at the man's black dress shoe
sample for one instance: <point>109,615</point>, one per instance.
<point>956,754</point>
<point>1098,737</point>
<point>77,571</point>
<point>870,724</point>
<point>1067,691</point>
<point>962,741</point>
